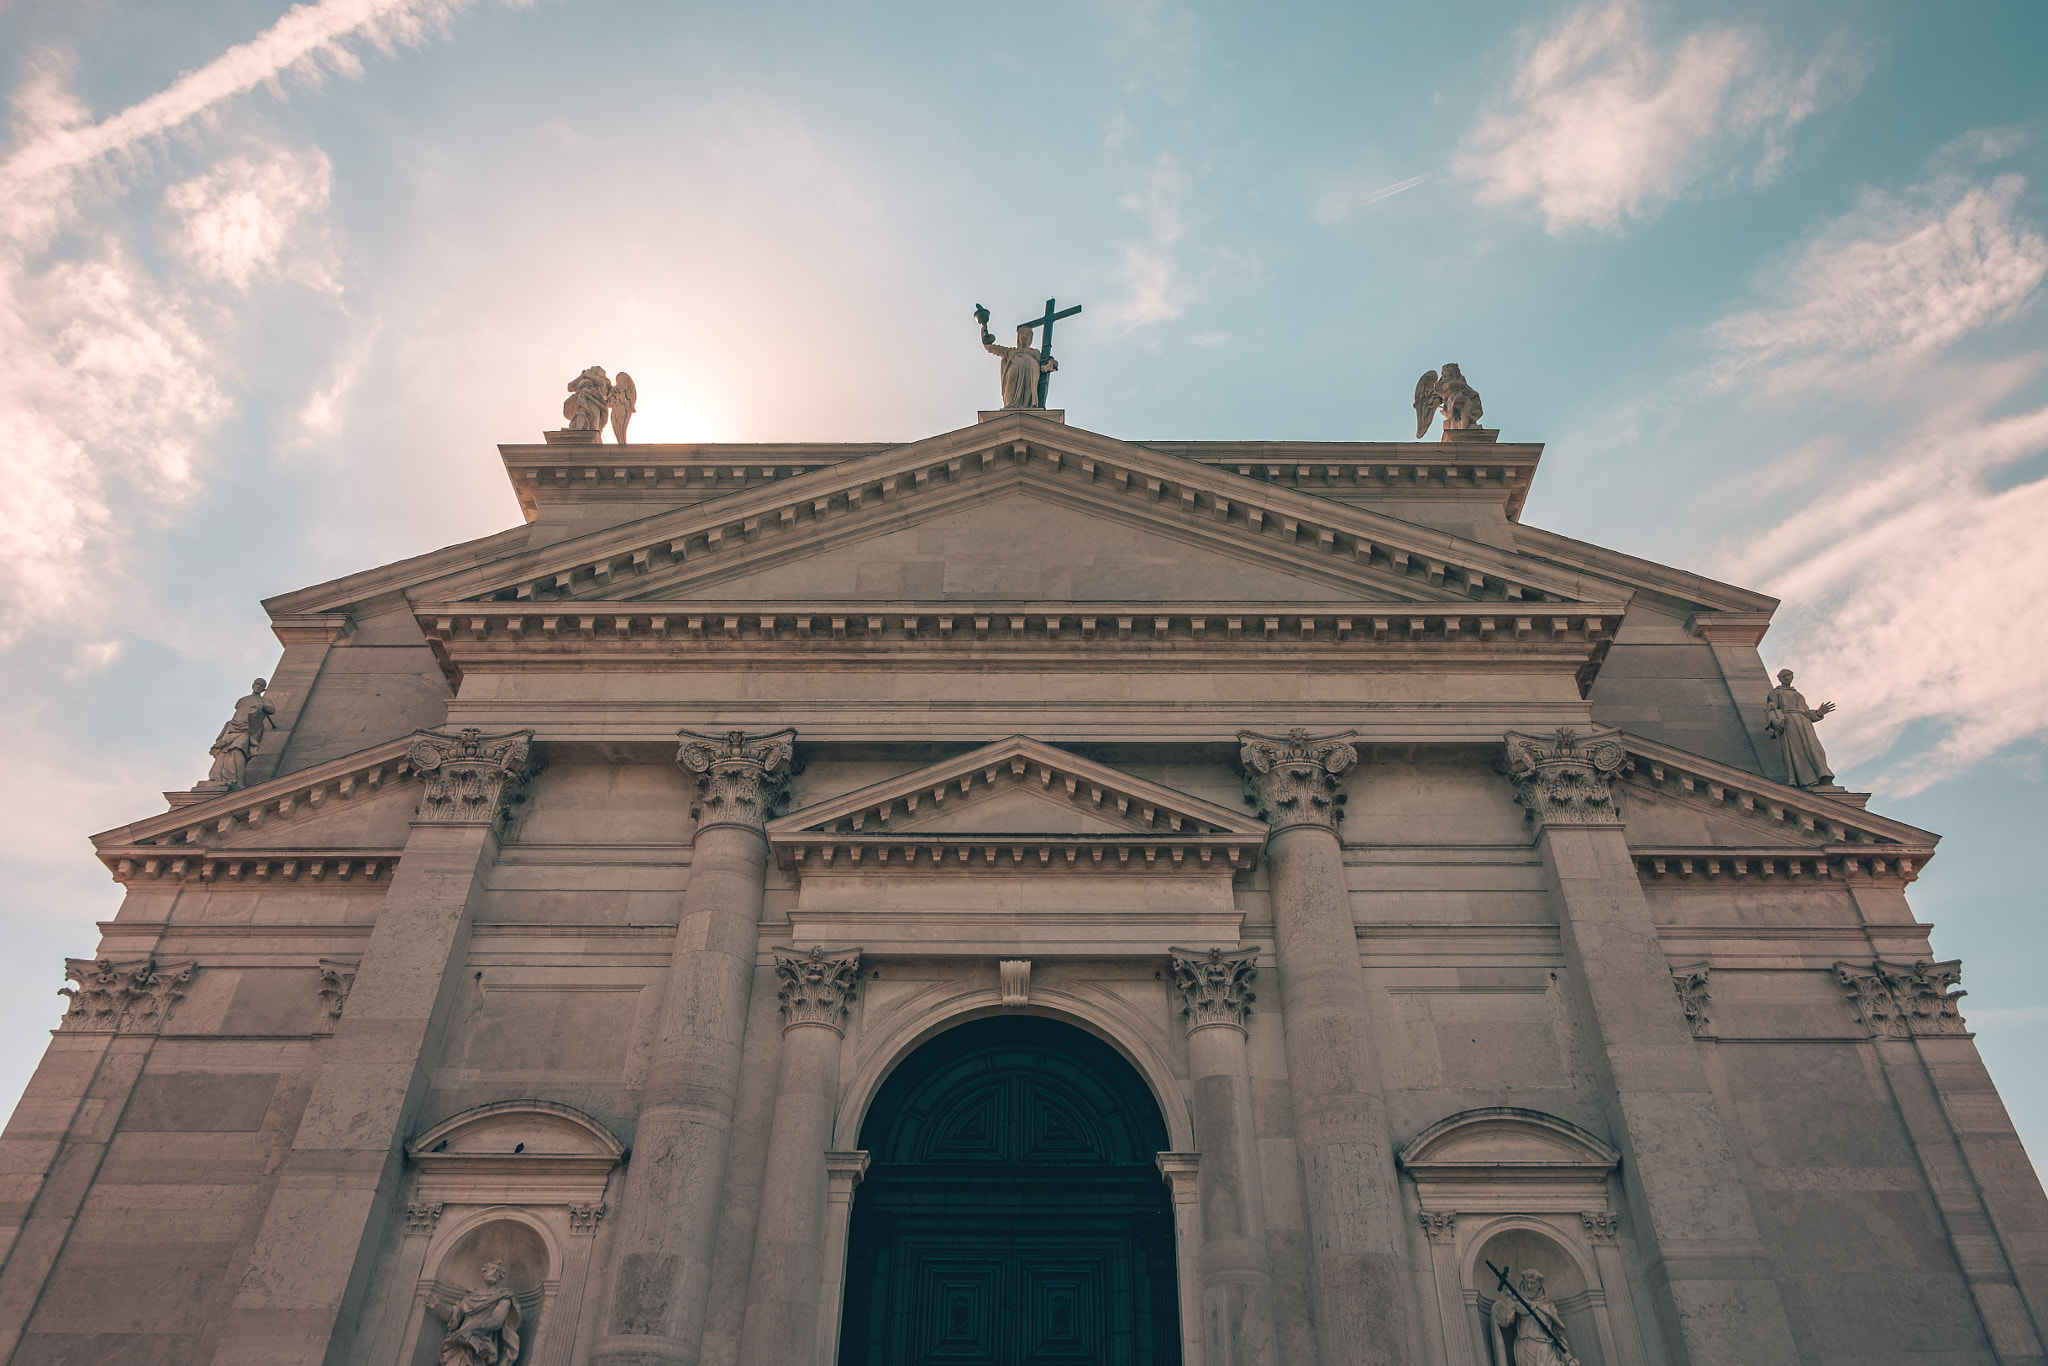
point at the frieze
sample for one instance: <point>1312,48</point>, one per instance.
<point>129,997</point>
<point>817,987</point>
<point>468,775</point>
<point>1215,986</point>
<point>1292,778</point>
<point>1905,1000</point>
<point>1567,778</point>
<point>740,777</point>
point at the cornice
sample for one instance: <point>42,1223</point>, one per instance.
<point>1674,774</point>
<point>182,863</point>
<point>790,514</point>
<point>1348,470</point>
<point>1889,865</point>
<point>336,594</point>
<point>1708,594</point>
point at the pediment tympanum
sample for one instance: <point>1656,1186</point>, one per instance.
<point>1507,1143</point>
<point>1375,557</point>
<point>1017,805</point>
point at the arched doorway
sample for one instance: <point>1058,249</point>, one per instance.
<point>1012,1214</point>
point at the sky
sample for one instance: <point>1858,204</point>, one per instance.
<point>1767,278</point>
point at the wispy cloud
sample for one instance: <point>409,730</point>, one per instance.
<point>108,390</point>
<point>1603,124</point>
<point>1911,528</point>
<point>1151,269</point>
<point>1339,201</point>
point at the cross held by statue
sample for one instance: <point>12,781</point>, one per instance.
<point>1044,325</point>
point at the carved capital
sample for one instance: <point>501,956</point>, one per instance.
<point>1600,1225</point>
<point>1902,1000</point>
<point>132,997</point>
<point>1567,778</point>
<point>1215,985</point>
<point>422,1215</point>
<point>336,980</point>
<point>468,775</point>
<point>817,987</point>
<point>586,1218</point>
<point>1691,986</point>
<point>1439,1225</point>
<point>740,777</point>
<point>1292,779</point>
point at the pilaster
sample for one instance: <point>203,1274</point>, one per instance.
<point>1361,1286</point>
<point>299,1293</point>
<point>675,1185</point>
<point>1715,1288</point>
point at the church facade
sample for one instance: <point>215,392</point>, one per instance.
<point>1020,896</point>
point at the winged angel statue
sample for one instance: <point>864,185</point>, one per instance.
<point>592,397</point>
<point>1450,392</point>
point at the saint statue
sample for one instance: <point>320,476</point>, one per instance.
<point>624,399</point>
<point>483,1326</point>
<point>240,738</point>
<point>1021,366</point>
<point>1789,720</point>
<point>590,393</point>
<point>1523,1341</point>
<point>1450,392</point>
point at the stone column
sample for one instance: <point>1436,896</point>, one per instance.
<point>1183,1175</point>
<point>788,1269</point>
<point>309,1264</point>
<point>1237,1272</point>
<point>1361,1286</point>
<point>1717,1297</point>
<point>1447,1288</point>
<point>843,1171</point>
<point>675,1183</point>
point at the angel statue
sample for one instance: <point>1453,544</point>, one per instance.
<point>1521,1324</point>
<point>1789,721</point>
<point>624,399</point>
<point>1450,392</point>
<point>589,394</point>
<point>483,1326</point>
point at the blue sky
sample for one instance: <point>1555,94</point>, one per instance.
<point>1767,278</point>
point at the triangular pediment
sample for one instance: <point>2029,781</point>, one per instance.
<point>1085,494</point>
<point>1019,794</point>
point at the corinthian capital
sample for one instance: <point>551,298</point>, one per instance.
<point>467,774</point>
<point>1567,778</point>
<point>1292,778</point>
<point>739,776</point>
<point>817,987</point>
<point>1215,986</point>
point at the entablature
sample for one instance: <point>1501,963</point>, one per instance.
<point>1674,774</point>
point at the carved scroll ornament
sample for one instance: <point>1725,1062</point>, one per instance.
<point>740,777</point>
<point>468,774</point>
<point>1902,1000</point>
<point>1215,986</point>
<point>1567,778</point>
<point>817,987</point>
<point>123,997</point>
<point>1292,778</point>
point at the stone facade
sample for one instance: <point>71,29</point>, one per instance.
<point>1433,872</point>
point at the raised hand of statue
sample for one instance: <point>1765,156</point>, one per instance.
<point>1823,710</point>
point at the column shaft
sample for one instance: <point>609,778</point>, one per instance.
<point>789,1244</point>
<point>1237,1272</point>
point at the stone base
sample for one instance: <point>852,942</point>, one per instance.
<point>1489,435</point>
<point>1841,794</point>
<point>178,799</point>
<point>1050,414</point>
<point>573,436</point>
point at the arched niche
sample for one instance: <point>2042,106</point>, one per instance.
<point>525,1182</point>
<point>1524,1190</point>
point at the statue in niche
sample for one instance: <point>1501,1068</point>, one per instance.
<point>590,394</point>
<point>623,400</point>
<point>1021,364</point>
<point>1789,721</point>
<point>483,1326</point>
<point>239,740</point>
<point>1523,1341</point>
<point>1448,391</point>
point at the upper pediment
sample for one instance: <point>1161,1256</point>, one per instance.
<point>1017,804</point>
<point>1107,488</point>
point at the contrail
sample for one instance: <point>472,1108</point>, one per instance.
<point>306,31</point>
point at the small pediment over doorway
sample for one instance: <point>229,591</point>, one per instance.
<point>1013,806</point>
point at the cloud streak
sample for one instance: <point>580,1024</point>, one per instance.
<point>1338,203</point>
<point>1603,125</point>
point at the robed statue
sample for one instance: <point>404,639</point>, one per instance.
<point>483,1326</point>
<point>1448,391</point>
<point>1789,720</point>
<point>240,738</point>
<point>1521,1324</point>
<point>590,394</point>
<point>1022,365</point>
